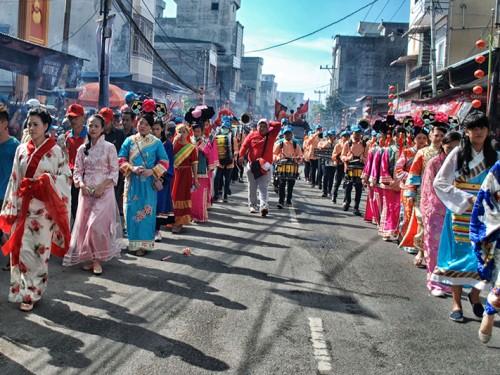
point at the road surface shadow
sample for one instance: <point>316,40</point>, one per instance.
<point>335,303</point>
<point>129,334</point>
<point>212,265</point>
<point>169,282</point>
<point>11,367</point>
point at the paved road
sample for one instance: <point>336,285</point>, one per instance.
<point>307,287</point>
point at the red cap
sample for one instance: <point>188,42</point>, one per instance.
<point>75,110</point>
<point>107,114</point>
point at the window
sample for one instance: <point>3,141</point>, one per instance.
<point>139,47</point>
<point>440,55</point>
<point>215,6</point>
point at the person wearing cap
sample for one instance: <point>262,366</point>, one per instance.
<point>286,148</point>
<point>327,145</point>
<point>258,148</point>
<point>312,145</point>
<point>456,185</point>
<point>227,151</point>
<point>73,139</point>
<point>338,164</point>
<point>354,156</point>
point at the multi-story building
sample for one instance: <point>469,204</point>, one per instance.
<point>361,64</point>
<point>250,94</point>
<point>268,94</point>
<point>198,22</point>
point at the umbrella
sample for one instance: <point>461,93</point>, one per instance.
<point>89,95</point>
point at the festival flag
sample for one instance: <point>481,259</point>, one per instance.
<point>278,108</point>
<point>304,108</point>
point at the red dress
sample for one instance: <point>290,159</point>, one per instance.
<point>183,181</point>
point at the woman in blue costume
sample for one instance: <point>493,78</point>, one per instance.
<point>142,159</point>
<point>485,235</point>
<point>456,185</point>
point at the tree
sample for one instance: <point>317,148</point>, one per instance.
<point>331,113</point>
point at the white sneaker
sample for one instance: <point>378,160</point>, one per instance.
<point>438,293</point>
<point>158,237</point>
<point>253,210</point>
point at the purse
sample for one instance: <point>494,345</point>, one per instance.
<point>157,183</point>
<point>255,165</point>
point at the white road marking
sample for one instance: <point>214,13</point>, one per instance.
<point>293,216</point>
<point>320,347</point>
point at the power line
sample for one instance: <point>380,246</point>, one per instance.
<point>163,63</point>
<point>382,11</point>
<point>77,30</point>
<point>316,31</point>
<point>367,13</point>
<point>397,11</point>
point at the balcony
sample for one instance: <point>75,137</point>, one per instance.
<point>419,71</point>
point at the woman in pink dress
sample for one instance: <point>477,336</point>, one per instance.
<point>433,212</point>
<point>97,231</point>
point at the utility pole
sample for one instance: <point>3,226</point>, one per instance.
<point>319,92</point>
<point>104,66</point>
<point>331,70</point>
<point>67,17</point>
<point>493,99</point>
<point>205,75</point>
<point>433,49</point>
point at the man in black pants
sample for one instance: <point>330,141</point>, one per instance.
<point>226,150</point>
<point>313,145</point>
<point>328,169</point>
<point>339,168</point>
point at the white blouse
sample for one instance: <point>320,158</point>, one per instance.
<point>456,200</point>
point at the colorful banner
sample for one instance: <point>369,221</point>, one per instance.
<point>37,21</point>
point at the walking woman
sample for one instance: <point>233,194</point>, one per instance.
<point>456,184</point>
<point>36,211</point>
<point>186,177</point>
<point>97,230</point>
<point>433,212</point>
<point>143,161</point>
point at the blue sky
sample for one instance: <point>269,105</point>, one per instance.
<point>296,66</point>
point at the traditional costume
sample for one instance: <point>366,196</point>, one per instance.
<point>165,207</point>
<point>36,212</point>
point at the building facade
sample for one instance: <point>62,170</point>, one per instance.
<point>268,94</point>
<point>249,96</point>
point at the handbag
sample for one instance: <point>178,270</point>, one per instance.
<point>157,183</point>
<point>255,165</point>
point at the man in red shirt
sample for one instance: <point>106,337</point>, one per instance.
<point>258,148</point>
<point>74,139</point>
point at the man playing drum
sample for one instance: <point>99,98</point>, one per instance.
<point>354,156</point>
<point>287,155</point>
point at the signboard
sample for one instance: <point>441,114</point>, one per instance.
<point>37,21</point>
<point>57,71</point>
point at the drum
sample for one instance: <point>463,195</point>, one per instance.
<point>287,170</point>
<point>355,168</point>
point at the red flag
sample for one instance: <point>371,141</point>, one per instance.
<point>304,108</point>
<point>278,108</point>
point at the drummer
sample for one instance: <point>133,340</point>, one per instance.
<point>287,149</point>
<point>354,155</point>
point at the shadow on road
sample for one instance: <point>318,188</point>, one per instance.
<point>12,367</point>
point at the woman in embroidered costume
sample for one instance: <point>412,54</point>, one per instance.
<point>97,230</point>
<point>186,177</point>
<point>433,212</point>
<point>413,238</point>
<point>164,206</point>
<point>372,147</point>
<point>456,184</point>
<point>403,165</point>
<point>36,211</point>
<point>200,196</point>
<point>485,234</point>
<point>142,160</point>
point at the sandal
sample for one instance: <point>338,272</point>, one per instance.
<point>97,269</point>
<point>26,307</point>
<point>419,261</point>
<point>140,252</point>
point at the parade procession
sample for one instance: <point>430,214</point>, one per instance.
<point>165,209</point>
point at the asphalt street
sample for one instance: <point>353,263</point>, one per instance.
<point>306,289</point>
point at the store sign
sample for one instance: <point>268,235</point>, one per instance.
<point>37,21</point>
<point>56,71</point>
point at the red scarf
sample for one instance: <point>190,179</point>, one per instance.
<point>40,188</point>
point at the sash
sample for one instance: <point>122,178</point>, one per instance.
<point>461,222</point>
<point>183,154</point>
<point>40,188</point>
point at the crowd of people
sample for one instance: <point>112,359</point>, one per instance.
<point>432,186</point>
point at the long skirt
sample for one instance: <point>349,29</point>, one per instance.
<point>383,211</point>
<point>211,177</point>
<point>165,207</point>
<point>28,279</point>
<point>199,200</point>
<point>433,224</point>
<point>369,206</point>
<point>377,204</point>
<point>407,204</point>
<point>181,195</point>
<point>392,207</point>
<point>97,231</point>
<point>139,204</point>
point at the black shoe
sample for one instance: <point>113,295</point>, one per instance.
<point>264,212</point>
<point>280,205</point>
<point>289,204</point>
<point>346,207</point>
<point>356,212</point>
<point>224,200</point>
<point>477,308</point>
<point>240,180</point>
<point>324,195</point>
<point>229,192</point>
<point>334,200</point>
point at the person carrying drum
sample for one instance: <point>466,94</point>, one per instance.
<point>354,155</point>
<point>287,154</point>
